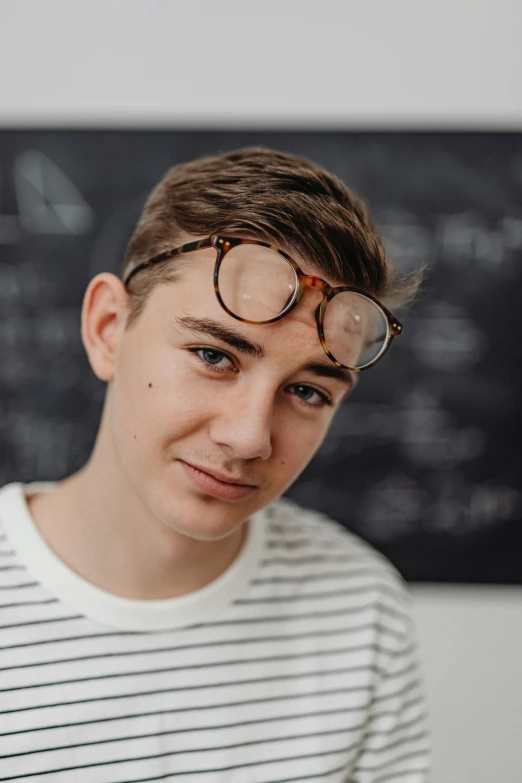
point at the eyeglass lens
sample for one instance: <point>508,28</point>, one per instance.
<point>256,283</point>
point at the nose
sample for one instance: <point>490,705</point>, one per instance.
<point>244,423</point>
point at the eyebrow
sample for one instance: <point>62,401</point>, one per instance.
<point>330,370</point>
<point>236,340</point>
<point>226,334</point>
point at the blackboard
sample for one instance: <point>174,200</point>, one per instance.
<point>424,460</point>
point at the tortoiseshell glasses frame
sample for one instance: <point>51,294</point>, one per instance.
<point>223,244</point>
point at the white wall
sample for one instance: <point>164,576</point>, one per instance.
<point>471,645</point>
<point>270,62</point>
<point>304,63</point>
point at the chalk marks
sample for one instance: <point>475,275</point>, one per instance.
<point>48,200</point>
<point>398,506</point>
<point>446,338</point>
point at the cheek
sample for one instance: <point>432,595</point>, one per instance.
<point>156,400</point>
<point>294,446</point>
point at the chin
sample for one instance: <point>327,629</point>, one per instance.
<point>203,520</point>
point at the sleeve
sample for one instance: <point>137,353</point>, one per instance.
<point>396,744</point>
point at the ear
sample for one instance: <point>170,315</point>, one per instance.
<point>104,313</point>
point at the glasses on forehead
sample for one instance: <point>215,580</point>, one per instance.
<point>257,283</point>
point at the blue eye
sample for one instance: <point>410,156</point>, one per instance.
<point>216,361</point>
<point>210,356</point>
<point>213,359</point>
<point>306,394</point>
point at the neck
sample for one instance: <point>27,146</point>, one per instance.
<point>102,530</point>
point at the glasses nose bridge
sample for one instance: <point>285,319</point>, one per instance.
<point>312,281</point>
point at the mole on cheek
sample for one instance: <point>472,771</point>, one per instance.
<point>150,385</point>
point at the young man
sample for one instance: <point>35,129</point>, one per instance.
<point>165,614</point>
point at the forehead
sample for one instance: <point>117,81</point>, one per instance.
<point>194,294</point>
<point>195,290</point>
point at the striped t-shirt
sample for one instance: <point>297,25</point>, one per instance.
<point>299,663</point>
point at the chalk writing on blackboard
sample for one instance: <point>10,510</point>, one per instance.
<point>48,201</point>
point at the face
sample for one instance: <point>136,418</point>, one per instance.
<point>196,392</point>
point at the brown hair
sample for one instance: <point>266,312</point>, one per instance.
<point>273,196</point>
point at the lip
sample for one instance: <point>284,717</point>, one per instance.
<point>220,476</point>
<point>216,484</point>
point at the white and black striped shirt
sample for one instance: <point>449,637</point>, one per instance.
<point>299,663</point>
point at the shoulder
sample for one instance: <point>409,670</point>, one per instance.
<point>291,522</point>
<point>302,533</point>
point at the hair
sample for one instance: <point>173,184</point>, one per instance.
<point>273,196</point>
